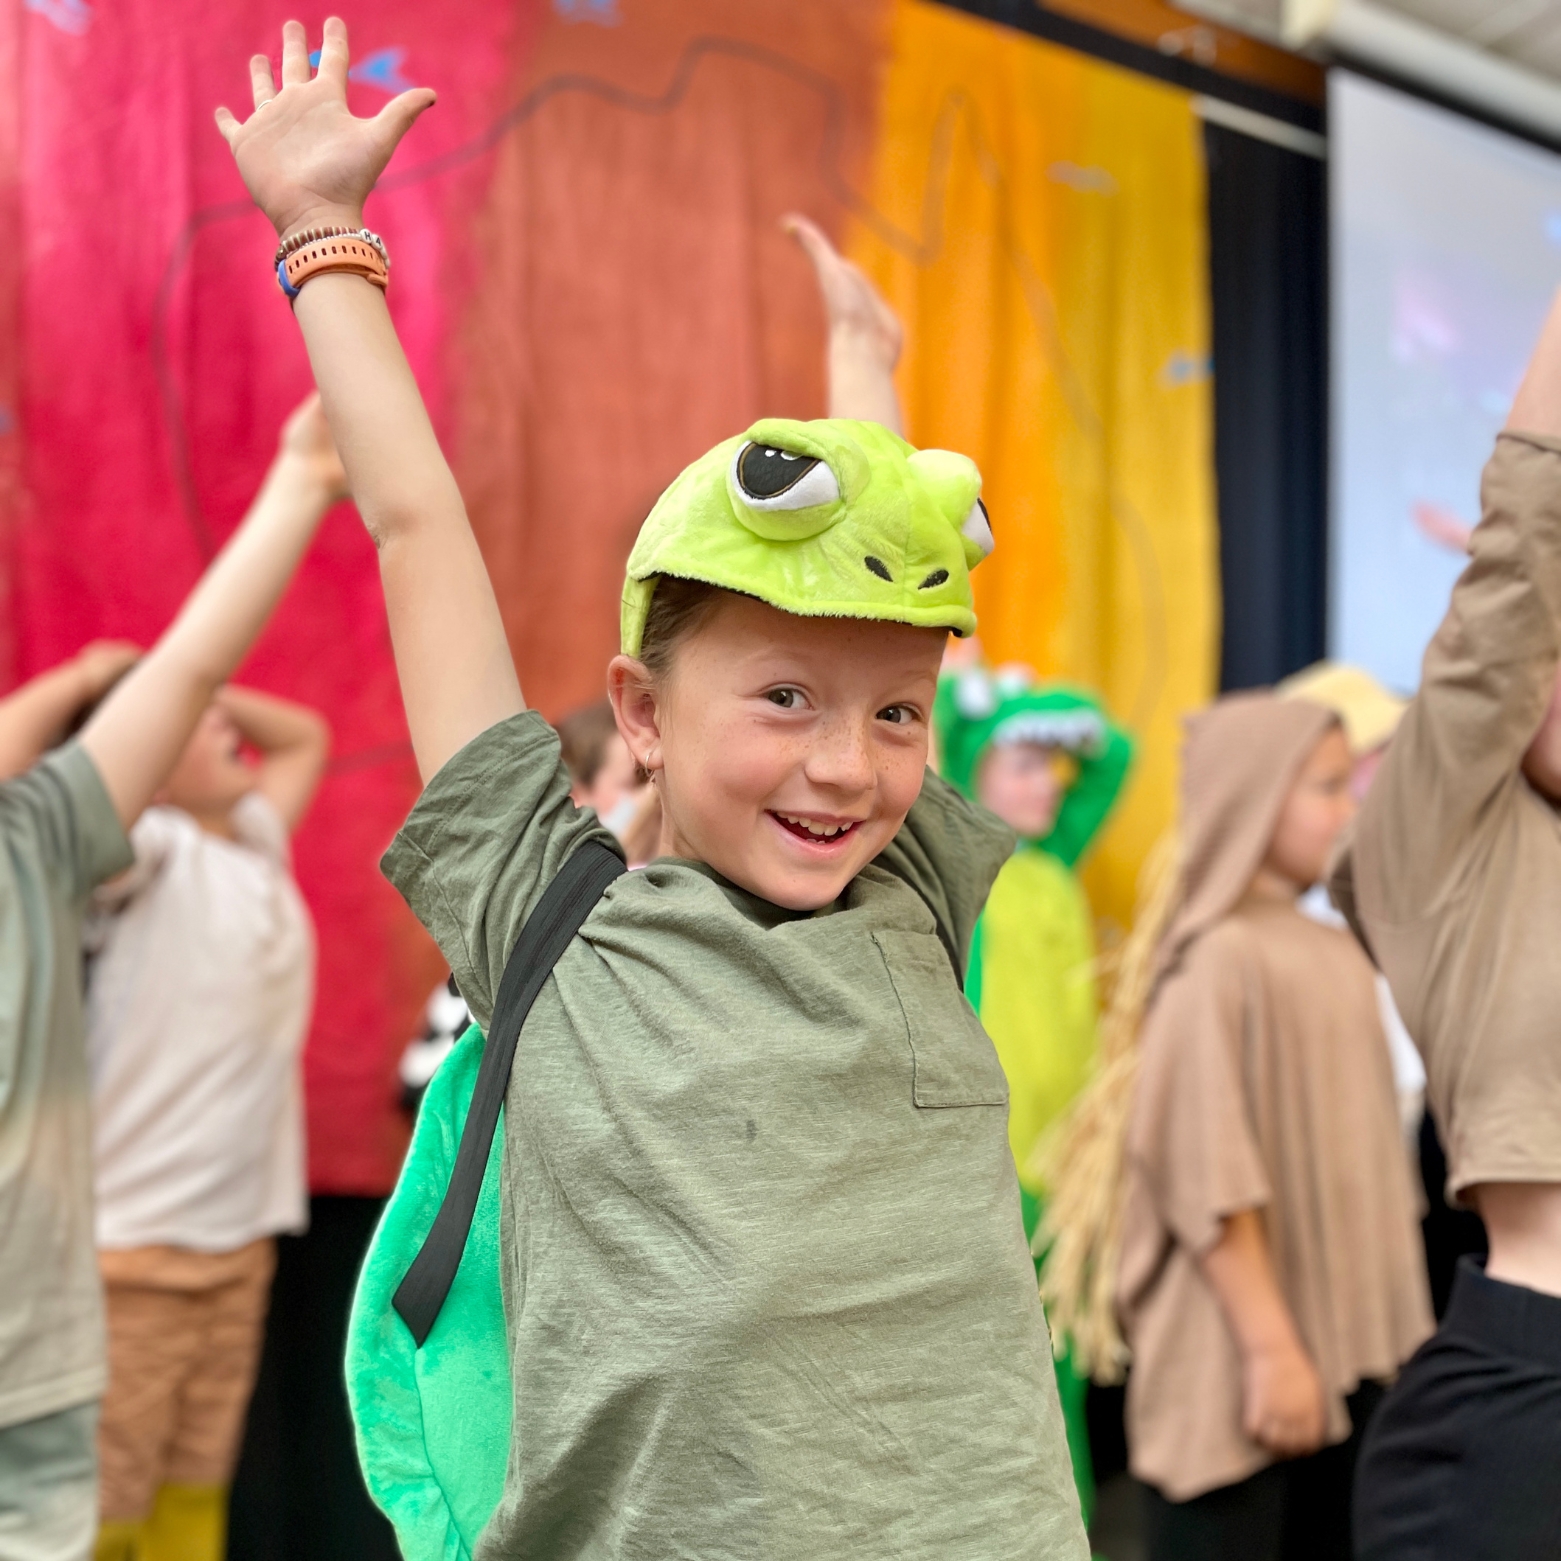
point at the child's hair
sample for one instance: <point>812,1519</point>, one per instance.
<point>1080,1238</point>
<point>677,608</point>
<point>585,735</point>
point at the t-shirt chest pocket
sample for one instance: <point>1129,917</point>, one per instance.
<point>955,1063</point>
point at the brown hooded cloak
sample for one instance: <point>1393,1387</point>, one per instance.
<point>1264,1083</point>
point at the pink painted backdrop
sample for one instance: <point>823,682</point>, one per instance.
<point>149,361</point>
<point>592,286</point>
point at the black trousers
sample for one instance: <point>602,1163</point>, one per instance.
<point>1298,1510</point>
<point>1464,1461</point>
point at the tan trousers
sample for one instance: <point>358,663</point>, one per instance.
<point>184,1334</point>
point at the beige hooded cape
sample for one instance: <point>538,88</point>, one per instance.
<point>1264,1084</point>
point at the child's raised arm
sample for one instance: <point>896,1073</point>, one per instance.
<point>293,742</point>
<point>308,162</point>
<point>864,334</point>
<point>139,731</point>
<point>37,716</point>
<point>1489,673</point>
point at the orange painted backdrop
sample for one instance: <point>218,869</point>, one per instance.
<point>1038,220</point>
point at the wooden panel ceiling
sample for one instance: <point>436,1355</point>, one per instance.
<point>1525,31</point>
<point>1197,38</point>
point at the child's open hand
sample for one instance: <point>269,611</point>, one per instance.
<point>306,442</point>
<point>303,156</point>
<point>102,663</point>
<point>852,303</point>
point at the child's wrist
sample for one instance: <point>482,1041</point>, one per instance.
<point>858,339</point>
<point>1276,1342</point>
<point>323,216</point>
<point>299,475</point>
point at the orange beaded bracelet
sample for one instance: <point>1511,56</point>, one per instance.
<point>332,253</point>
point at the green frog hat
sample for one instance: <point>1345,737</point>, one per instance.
<point>827,519</point>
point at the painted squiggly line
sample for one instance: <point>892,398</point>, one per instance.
<point>922,249</point>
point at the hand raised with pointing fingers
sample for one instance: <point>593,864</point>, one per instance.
<point>304,157</point>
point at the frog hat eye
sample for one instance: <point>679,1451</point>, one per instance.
<point>771,479</point>
<point>978,529</point>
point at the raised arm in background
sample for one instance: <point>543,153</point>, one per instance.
<point>864,334</point>
<point>307,161</point>
<point>39,714</point>
<point>1489,674</point>
<point>293,742</point>
<point>140,729</point>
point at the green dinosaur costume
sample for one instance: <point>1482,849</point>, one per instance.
<point>826,518</point>
<point>1031,971</point>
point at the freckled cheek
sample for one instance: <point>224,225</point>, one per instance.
<point>900,780</point>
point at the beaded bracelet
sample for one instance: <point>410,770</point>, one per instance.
<point>310,235</point>
<point>332,252</point>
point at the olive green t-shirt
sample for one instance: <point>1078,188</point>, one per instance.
<point>766,1285</point>
<point>59,839</point>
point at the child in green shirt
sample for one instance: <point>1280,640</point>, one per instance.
<point>766,1293</point>
<point>63,820</point>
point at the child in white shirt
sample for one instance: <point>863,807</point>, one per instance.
<point>198,1004</point>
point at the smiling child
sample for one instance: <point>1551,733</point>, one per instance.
<point>766,1290</point>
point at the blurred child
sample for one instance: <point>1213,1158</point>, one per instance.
<point>1270,1278</point>
<point>1453,881</point>
<point>756,1189</point>
<point>604,776</point>
<point>197,1008</point>
<point>602,771</point>
<point>1369,715</point>
<point>63,824</point>
<point>1048,762</point>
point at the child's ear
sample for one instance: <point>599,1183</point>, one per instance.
<point>637,710</point>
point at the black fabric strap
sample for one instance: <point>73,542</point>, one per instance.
<point>548,932</point>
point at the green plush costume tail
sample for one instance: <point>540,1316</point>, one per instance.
<point>433,1424</point>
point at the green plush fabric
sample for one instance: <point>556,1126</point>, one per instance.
<point>1036,994</point>
<point>433,1425</point>
<point>828,519</point>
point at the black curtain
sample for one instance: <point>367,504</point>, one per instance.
<point>1268,276</point>
<point>298,1494</point>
